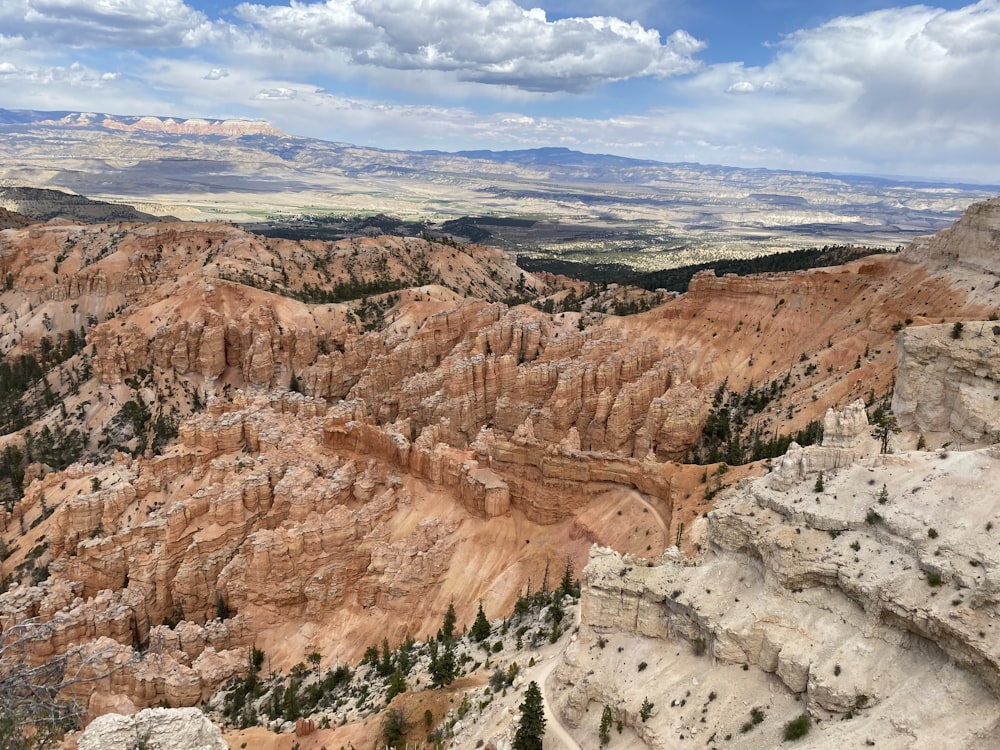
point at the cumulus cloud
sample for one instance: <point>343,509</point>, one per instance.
<point>896,89</point>
<point>905,90</point>
<point>83,23</point>
<point>497,42</point>
<point>276,94</point>
<point>741,87</point>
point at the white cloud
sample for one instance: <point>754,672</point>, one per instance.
<point>905,90</point>
<point>88,23</point>
<point>497,42</point>
<point>276,94</point>
<point>741,87</point>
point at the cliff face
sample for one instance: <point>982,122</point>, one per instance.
<point>972,241</point>
<point>852,596</point>
<point>947,383</point>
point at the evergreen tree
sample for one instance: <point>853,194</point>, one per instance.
<point>604,733</point>
<point>481,627</point>
<point>384,666</point>
<point>404,657</point>
<point>532,727</point>
<point>443,666</point>
<point>397,685</point>
<point>447,631</point>
<point>566,585</point>
<point>394,728</point>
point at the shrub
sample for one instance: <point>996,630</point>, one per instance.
<point>933,578</point>
<point>932,532</point>
<point>798,727</point>
<point>647,709</point>
<point>956,330</point>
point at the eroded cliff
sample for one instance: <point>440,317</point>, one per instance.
<point>273,446</point>
<point>850,583</point>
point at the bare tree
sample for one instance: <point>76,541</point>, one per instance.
<point>37,703</point>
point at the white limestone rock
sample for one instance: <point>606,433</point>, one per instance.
<point>163,728</point>
<point>947,385</point>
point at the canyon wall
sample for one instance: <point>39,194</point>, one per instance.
<point>948,383</point>
<point>850,595</point>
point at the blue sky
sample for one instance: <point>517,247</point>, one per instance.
<point>852,86</point>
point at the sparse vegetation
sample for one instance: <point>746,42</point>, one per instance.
<point>731,434</point>
<point>797,728</point>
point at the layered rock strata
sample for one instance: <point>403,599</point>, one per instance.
<point>848,595</point>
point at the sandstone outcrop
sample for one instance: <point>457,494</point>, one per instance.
<point>845,439</point>
<point>972,241</point>
<point>176,728</point>
<point>947,384</point>
<point>850,596</point>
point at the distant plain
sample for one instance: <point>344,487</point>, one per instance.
<point>541,203</point>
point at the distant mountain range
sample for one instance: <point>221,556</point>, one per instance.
<point>170,125</point>
<point>585,207</point>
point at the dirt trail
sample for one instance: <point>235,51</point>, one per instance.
<point>556,735</point>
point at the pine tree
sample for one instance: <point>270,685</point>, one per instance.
<point>566,585</point>
<point>604,733</point>
<point>384,666</point>
<point>532,727</point>
<point>481,627</point>
<point>443,667</point>
<point>447,631</point>
<point>394,728</point>
<point>397,685</point>
<point>404,657</point>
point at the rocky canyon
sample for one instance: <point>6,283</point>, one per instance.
<point>216,442</point>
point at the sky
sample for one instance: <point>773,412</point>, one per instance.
<point>856,86</point>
